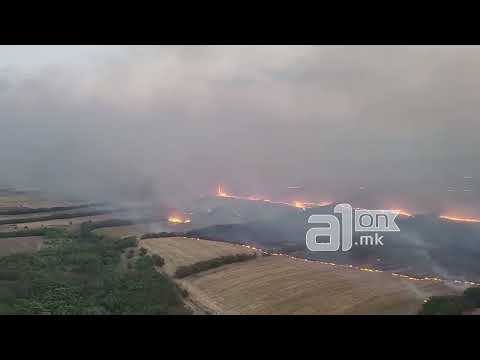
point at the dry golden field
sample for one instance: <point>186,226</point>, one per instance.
<point>25,200</point>
<point>121,231</point>
<point>280,285</point>
<point>181,251</point>
<point>10,246</point>
<point>139,229</point>
<point>53,223</point>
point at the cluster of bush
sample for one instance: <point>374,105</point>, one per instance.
<point>187,270</point>
<point>158,260</point>
<point>126,242</point>
<point>452,305</point>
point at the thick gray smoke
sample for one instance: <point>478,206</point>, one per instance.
<point>396,126</point>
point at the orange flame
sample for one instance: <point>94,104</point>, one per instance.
<point>296,204</point>
<point>178,220</point>
<point>320,204</point>
<point>299,204</point>
<point>460,219</point>
<point>402,212</point>
<point>221,193</point>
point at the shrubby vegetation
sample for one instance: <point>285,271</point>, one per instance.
<point>452,305</point>
<point>187,270</point>
<point>23,233</point>
<point>56,237</point>
<point>472,296</point>
<point>130,254</point>
<point>158,260</point>
<point>126,242</point>
<point>158,235</point>
<point>82,274</point>
<point>444,305</point>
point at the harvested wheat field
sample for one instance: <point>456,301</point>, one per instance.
<point>180,251</point>
<point>55,222</point>
<point>121,231</point>
<point>280,285</point>
<point>31,201</point>
<point>9,246</point>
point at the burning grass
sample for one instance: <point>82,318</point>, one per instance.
<point>178,220</point>
<point>460,219</point>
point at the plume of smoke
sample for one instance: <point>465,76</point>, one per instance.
<point>171,122</point>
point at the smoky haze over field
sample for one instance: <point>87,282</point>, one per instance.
<point>391,126</point>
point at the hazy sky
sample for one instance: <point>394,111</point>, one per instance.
<point>396,126</point>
